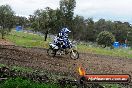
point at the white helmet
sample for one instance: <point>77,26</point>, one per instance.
<point>65,30</point>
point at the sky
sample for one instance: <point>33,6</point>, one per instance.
<point>114,10</point>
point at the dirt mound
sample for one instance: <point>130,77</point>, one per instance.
<point>37,58</point>
<point>5,42</point>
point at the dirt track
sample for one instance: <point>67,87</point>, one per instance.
<point>37,58</point>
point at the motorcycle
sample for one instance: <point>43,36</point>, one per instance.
<point>61,49</point>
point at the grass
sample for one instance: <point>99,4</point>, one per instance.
<point>127,53</point>
<point>17,68</point>
<point>22,69</point>
<point>2,65</point>
<point>52,75</point>
<point>19,82</point>
<point>27,39</point>
<point>25,83</point>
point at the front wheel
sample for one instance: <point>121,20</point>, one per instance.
<point>74,54</point>
<point>51,52</point>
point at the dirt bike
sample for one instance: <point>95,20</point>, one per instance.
<point>60,49</point>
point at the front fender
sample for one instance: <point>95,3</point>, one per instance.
<point>53,46</point>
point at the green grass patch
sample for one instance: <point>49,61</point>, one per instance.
<point>25,83</point>
<point>22,69</point>
<point>27,39</point>
<point>105,51</point>
<point>2,65</point>
<point>52,75</point>
<point>18,68</point>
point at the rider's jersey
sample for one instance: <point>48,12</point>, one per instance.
<point>63,36</point>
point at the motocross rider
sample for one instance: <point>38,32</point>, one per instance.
<point>63,37</point>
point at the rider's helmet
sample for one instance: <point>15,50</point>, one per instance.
<point>65,30</point>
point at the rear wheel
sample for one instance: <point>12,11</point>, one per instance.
<point>74,54</point>
<point>51,52</point>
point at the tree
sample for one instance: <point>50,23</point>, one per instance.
<point>21,21</point>
<point>6,19</point>
<point>78,28</point>
<point>100,25</point>
<point>90,32</point>
<point>52,20</point>
<point>43,20</point>
<point>105,38</point>
<point>121,31</point>
<point>67,10</point>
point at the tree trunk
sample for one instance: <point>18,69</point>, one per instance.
<point>45,37</point>
<point>46,33</point>
<point>2,35</point>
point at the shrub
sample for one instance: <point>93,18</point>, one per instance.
<point>105,38</point>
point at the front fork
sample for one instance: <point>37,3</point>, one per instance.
<point>73,52</point>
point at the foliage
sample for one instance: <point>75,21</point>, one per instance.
<point>105,38</point>
<point>21,21</point>
<point>90,35</point>
<point>44,19</point>
<point>6,19</point>
<point>78,25</point>
<point>67,10</point>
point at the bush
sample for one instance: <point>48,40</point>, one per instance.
<point>105,38</point>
